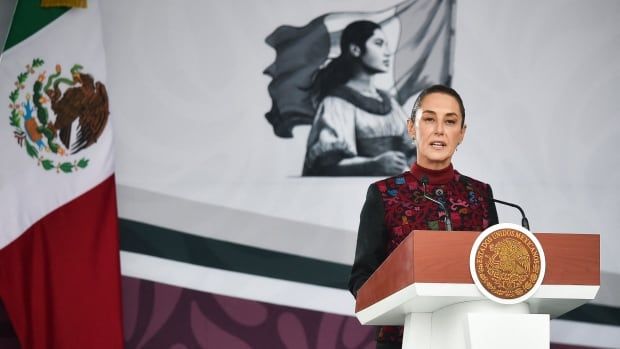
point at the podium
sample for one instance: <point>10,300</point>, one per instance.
<point>425,284</point>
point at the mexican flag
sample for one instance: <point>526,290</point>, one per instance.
<point>59,261</point>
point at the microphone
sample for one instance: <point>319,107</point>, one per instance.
<point>524,222</point>
<point>446,216</point>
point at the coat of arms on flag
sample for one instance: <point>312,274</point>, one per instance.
<point>58,234</point>
<point>56,116</point>
<point>420,34</point>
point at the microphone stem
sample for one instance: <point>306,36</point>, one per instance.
<point>443,208</point>
<point>512,205</point>
<point>524,222</point>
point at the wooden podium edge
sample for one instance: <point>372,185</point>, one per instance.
<point>383,282</point>
<point>443,257</point>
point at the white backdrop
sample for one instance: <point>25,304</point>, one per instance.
<point>540,81</point>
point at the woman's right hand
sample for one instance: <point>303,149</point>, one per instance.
<point>391,162</point>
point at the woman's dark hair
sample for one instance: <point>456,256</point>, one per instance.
<point>341,68</point>
<point>438,89</point>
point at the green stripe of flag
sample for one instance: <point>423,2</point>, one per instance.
<point>165,243</point>
<point>29,18</point>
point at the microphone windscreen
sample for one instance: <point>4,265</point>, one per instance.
<point>424,180</point>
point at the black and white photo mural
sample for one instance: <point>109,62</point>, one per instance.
<point>350,75</point>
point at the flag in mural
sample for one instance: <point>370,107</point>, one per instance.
<point>7,8</point>
<point>419,32</point>
<point>59,262</point>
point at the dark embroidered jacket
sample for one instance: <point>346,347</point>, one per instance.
<point>395,206</point>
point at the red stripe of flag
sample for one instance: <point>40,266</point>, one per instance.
<point>60,280</point>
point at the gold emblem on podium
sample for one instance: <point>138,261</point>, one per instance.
<point>507,262</point>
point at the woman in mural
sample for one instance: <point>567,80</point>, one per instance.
<point>397,205</point>
<point>358,129</point>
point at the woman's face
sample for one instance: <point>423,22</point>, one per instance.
<point>377,55</point>
<point>437,130</point>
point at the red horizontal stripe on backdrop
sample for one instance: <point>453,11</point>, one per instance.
<point>60,280</point>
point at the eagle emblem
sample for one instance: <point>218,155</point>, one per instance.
<point>507,263</point>
<point>56,116</point>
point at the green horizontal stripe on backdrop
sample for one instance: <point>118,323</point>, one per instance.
<point>170,244</point>
<point>594,313</point>
<point>29,18</point>
<point>182,247</point>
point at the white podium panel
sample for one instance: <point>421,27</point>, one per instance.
<point>426,283</point>
<point>508,331</point>
<point>450,327</point>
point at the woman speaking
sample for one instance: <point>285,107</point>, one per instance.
<point>431,196</point>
